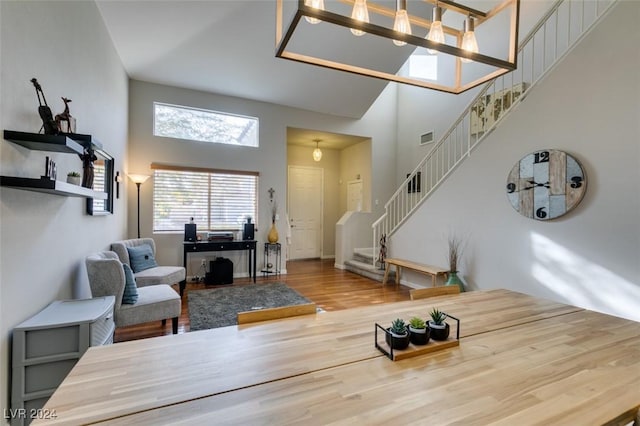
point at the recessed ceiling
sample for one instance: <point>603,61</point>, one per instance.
<point>305,137</point>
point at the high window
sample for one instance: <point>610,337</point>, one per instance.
<point>215,199</point>
<point>203,125</point>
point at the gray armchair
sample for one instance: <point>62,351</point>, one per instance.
<point>156,275</point>
<point>156,302</point>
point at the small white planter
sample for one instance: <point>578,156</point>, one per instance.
<point>74,180</point>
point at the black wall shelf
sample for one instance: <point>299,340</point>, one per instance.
<point>38,142</point>
<point>50,186</point>
<point>71,143</point>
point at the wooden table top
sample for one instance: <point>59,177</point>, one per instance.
<point>520,358</point>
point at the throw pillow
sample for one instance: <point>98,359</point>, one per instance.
<point>141,257</point>
<point>130,295</point>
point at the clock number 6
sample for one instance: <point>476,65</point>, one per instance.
<point>576,182</point>
<point>540,213</point>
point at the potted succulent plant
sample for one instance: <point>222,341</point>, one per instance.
<point>439,328</point>
<point>418,331</point>
<point>73,178</point>
<point>398,335</point>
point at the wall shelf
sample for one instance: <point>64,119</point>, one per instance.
<point>50,186</point>
<point>39,142</point>
<point>70,143</point>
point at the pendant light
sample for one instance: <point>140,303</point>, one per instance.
<point>401,23</point>
<point>469,42</point>
<point>436,32</point>
<point>316,4</point>
<point>359,13</point>
<point>317,154</point>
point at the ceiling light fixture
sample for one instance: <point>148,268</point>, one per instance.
<point>469,42</point>
<point>401,23</point>
<point>317,154</point>
<point>360,13</point>
<point>461,65</point>
<point>316,4</point>
<point>436,34</point>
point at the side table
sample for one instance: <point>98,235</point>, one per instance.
<point>272,258</point>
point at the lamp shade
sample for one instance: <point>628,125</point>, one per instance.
<point>135,178</point>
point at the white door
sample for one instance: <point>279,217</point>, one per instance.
<point>305,212</point>
<point>354,196</point>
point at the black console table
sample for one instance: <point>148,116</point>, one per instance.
<point>210,246</point>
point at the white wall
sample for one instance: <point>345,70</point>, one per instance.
<point>44,238</point>
<point>588,106</point>
<point>270,159</point>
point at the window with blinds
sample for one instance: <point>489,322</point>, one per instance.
<point>216,200</point>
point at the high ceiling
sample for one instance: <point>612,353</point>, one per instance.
<point>227,47</point>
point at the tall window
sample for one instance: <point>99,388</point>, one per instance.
<point>215,199</point>
<point>203,125</point>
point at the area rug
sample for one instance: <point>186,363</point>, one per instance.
<point>218,307</point>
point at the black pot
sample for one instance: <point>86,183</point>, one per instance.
<point>439,333</point>
<point>397,342</point>
<point>419,338</point>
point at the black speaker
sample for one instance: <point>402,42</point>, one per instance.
<point>248,231</point>
<point>189,231</point>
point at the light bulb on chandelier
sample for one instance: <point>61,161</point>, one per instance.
<point>469,42</point>
<point>316,4</point>
<point>360,13</point>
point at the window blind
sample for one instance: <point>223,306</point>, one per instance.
<point>216,200</point>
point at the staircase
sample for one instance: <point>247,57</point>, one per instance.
<point>562,28</point>
<point>363,263</point>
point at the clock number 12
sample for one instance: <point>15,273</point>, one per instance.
<point>541,157</point>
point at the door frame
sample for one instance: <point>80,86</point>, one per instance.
<point>289,167</point>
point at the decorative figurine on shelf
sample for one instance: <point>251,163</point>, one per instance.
<point>50,170</point>
<point>87,166</point>
<point>382,255</point>
<point>64,121</point>
<point>48,123</point>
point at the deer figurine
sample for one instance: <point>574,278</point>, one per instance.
<point>65,116</point>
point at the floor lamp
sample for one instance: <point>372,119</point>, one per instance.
<point>138,180</point>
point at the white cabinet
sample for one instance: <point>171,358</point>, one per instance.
<point>49,344</point>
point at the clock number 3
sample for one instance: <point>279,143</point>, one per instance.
<point>541,157</point>
<point>576,182</point>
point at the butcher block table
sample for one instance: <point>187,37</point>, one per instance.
<point>520,360</point>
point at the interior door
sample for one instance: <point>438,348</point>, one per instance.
<point>305,212</point>
<point>354,196</point>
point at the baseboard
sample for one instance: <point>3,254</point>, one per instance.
<point>339,266</point>
<point>333,256</point>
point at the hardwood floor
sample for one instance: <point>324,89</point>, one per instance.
<point>330,288</point>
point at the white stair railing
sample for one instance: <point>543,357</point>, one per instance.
<point>559,30</point>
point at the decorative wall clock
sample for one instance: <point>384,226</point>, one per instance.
<point>546,184</point>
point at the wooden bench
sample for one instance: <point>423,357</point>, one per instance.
<point>434,271</point>
<point>275,313</point>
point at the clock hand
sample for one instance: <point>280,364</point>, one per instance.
<point>536,184</point>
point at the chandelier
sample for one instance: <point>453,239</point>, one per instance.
<point>465,47</point>
<point>317,153</point>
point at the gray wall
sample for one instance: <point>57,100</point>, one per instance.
<point>45,238</point>
<point>588,106</point>
<point>270,159</point>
